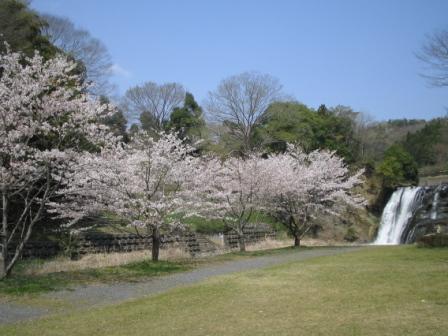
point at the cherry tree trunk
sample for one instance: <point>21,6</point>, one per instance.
<point>155,244</point>
<point>4,236</point>
<point>242,242</point>
<point>296,241</point>
<point>2,266</point>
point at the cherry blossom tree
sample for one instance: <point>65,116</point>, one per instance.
<point>230,190</point>
<point>300,186</point>
<point>46,121</point>
<point>142,181</point>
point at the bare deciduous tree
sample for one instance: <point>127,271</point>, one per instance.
<point>154,103</point>
<point>241,102</point>
<point>434,54</point>
<point>79,44</point>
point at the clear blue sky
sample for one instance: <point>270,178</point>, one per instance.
<point>358,53</point>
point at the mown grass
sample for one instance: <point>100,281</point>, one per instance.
<point>378,291</point>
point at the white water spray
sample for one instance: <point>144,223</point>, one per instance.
<point>397,214</point>
<point>435,203</point>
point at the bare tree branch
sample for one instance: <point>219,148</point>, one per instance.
<point>242,100</point>
<point>79,44</point>
<point>154,103</point>
<point>434,53</point>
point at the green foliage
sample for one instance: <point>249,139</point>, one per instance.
<point>147,121</point>
<point>398,168</point>
<point>404,122</point>
<point>337,132</point>
<point>117,122</point>
<point>296,123</point>
<point>21,28</point>
<point>290,122</point>
<point>188,120</point>
<point>429,145</point>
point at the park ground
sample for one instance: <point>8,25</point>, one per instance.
<point>393,290</point>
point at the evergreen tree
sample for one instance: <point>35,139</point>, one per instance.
<point>21,28</point>
<point>117,122</point>
<point>422,144</point>
<point>187,120</point>
<point>398,168</point>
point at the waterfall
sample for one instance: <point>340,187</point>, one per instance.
<point>397,214</point>
<point>435,203</point>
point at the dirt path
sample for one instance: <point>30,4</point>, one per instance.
<point>98,295</point>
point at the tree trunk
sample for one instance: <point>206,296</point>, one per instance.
<point>155,243</point>
<point>242,242</point>
<point>4,236</point>
<point>296,241</point>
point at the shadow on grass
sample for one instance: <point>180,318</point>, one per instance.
<point>21,284</point>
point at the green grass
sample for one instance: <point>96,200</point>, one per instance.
<point>21,284</point>
<point>213,226</point>
<point>377,291</point>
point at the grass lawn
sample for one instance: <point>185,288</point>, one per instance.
<point>22,284</point>
<point>379,291</point>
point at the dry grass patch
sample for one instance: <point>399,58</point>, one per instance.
<point>101,260</point>
<point>217,240</point>
<point>269,244</point>
<point>326,242</point>
<point>98,260</point>
<point>174,253</point>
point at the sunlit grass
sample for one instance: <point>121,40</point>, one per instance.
<point>377,291</point>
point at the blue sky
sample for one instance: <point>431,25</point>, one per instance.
<point>356,53</point>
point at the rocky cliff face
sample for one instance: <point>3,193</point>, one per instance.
<point>431,216</point>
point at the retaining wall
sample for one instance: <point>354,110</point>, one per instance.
<point>89,243</point>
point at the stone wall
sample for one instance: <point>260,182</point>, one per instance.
<point>103,243</point>
<point>89,243</point>
<point>252,235</point>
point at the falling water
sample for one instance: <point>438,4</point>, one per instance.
<point>435,203</point>
<point>397,214</point>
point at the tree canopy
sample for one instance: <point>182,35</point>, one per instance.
<point>188,121</point>
<point>398,168</point>
<point>22,29</point>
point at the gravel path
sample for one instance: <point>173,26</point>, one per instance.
<point>105,294</point>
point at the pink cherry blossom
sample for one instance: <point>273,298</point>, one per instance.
<point>39,100</point>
